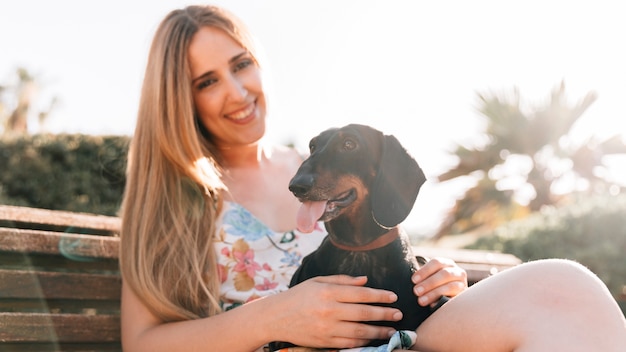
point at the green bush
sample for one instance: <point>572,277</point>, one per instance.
<point>591,231</point>
<point>80,173</point>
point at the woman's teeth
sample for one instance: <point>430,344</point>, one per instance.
<point>240,115</point>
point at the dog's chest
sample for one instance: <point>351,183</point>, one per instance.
<point>375,267</point>
<point>384,267</point>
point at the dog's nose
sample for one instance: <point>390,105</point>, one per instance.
<point>300,185</point>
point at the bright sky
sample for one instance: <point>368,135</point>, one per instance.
<point>410,68</point>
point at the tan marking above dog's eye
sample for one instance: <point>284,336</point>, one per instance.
<point>349,144</point>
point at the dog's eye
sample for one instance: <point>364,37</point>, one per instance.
<point>349,144</point>
<point>311,148</point>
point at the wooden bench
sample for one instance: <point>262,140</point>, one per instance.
<point>60,281</point>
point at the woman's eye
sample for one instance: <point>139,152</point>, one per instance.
<point>349,144</point>
<point>243,64</point>
<point>205,83</point>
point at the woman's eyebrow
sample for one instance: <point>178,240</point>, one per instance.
<point>208,73</point>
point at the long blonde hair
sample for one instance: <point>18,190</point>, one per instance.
<point>172,200</point>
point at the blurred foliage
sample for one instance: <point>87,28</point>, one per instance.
<point>526,158</point>
<point>590,230</point>
<point>79,173</point>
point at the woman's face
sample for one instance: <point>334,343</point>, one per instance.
<point>227,88</point>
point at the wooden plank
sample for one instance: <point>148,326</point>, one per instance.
<point>60,218</point>
<point>468,255</point>
<point>59,285</point>
<point>66,306</point>
<point>61,328</point>
<point>67,244</point>
<point>55,262</point>
<point>477,264</point>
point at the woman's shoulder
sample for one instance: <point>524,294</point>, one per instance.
<point>289,151</point>
<point>288,156</point>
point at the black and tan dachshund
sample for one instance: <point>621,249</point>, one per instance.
<point>362,184</point>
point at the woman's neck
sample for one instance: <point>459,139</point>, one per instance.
<point>242,156</point>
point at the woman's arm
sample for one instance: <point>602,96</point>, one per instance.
<point>323,311</point>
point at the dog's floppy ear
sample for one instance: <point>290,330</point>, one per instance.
<point>397,184</point>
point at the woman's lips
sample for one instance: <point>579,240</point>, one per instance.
<point>243,113</point>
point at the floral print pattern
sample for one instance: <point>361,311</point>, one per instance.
<point>255,261</point>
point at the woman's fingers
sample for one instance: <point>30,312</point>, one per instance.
<point>439,277</point>
<point>450,289</point>
<point>349,289</point>
<point>351,334</point>
<point>362,312</point>
<point>346,296</point>
<point>436,266</point>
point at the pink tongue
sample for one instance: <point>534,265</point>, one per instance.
<point>308,214</point>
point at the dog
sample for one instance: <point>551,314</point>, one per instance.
<point>362,184</point>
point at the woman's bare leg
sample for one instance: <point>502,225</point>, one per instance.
<point>547,305</point>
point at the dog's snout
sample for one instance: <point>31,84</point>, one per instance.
<point>300,185</point>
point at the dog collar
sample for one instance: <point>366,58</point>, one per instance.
<point>380,242</point>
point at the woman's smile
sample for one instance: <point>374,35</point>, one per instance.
<point>243,115</point>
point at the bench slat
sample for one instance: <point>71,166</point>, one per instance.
<point>59,285</point>
<point>36,327</point>
<point>470,256</point>
<point>55,262</point>
<point>37,305</point>
<point>37,241</point>
<point>60,218</point>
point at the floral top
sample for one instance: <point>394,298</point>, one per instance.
<point>254,260</point>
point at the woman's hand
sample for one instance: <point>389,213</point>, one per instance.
<point>328,311</point>
<point>438,277</point>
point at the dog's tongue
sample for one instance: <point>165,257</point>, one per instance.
<point>308,214</point>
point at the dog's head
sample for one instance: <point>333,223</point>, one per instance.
<point>356,174</point>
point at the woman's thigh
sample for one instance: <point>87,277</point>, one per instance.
<point>545,305</point>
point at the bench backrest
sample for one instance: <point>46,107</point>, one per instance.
<point>59,281</point>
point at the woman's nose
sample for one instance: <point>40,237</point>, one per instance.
<point>236,89</point>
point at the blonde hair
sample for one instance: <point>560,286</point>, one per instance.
<point>172,200</point>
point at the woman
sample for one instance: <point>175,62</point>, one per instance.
<point>208,225</point>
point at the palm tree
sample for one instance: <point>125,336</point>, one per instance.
<point>527,155</point>
<point>22,96</point>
